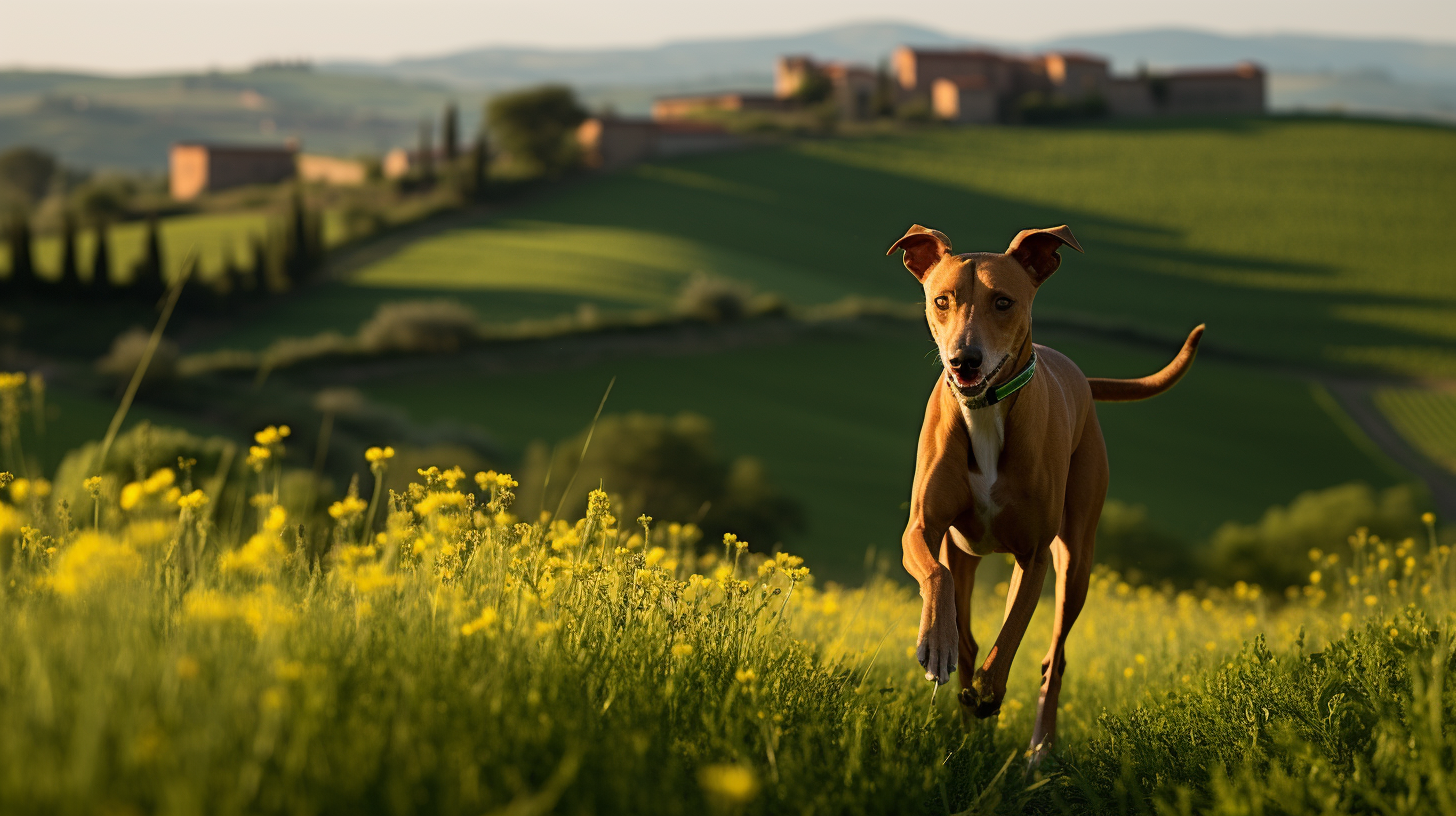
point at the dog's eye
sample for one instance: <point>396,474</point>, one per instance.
<point>942,302</point>
<point>1003,303</point>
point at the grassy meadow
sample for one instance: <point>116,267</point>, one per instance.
<point>172,651</point>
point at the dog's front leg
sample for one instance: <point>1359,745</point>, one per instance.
<point>938,642</point>
<point>989,683</point>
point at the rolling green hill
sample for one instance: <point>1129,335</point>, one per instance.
<point>1304,241</point>
<point>129,122</point>
<point>1304,244</point>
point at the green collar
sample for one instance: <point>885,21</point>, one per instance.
<point>995,394</point>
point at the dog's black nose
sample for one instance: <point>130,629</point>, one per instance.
<point>966,359</point>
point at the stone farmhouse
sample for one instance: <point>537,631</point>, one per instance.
<point>986,86</point>
<point>610,142</point>
<point>195,168</point>
<point>982,86</point>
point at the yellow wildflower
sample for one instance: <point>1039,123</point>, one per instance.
<point>262,555</point>
<point>272,435</point>
<point>93,558</point>
<point>159,481</point>
<point>131,494</point>
<point>655,555</point>
<point>435,502</point>
<point>484,622</point>
<point>347,508</point>
<point>19,490</point>
<point>729,784</point>
<point>258,457</point>
<point>378,455</point>
<point>195,500</point>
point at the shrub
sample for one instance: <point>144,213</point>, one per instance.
<point>713,299</point>
<point>1275,550</point>
<point>668,467</point>
<point>1129,543</point>
<point>420,325</point>
<point>25,174</point>
<point>126,354</point>
<point>537,127</point>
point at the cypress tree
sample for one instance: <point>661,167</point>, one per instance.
<point>70,279</point>
<point>450,133</point>
<point>101,263</point>
<point>22,264</point>
<point>253,279</point>
<point>147,281</point>
<point>427,154</point>
<point>479,166</point>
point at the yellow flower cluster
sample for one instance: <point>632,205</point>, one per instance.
<point>92,559</point>
<point>262,610</point>
<point>348,508</point>
<point>161,484</point>
<point>22,490</point>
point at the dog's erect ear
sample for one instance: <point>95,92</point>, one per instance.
<point>923,249</point>
<point>1037,250</point>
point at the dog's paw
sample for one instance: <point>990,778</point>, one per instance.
<point>937,655</point>
<point>982,698</point>
<point>939,643</point>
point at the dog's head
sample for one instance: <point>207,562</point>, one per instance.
<point>979,304</point>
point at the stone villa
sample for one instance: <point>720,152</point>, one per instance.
<point>981,86</point>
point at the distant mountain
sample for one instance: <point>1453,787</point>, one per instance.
<point>728,61</point>
<point>1384,77</point>
<point>347,108</point>
<point>1401,60</point>
<point>129,122</point>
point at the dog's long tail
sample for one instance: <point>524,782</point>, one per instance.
<point>1106,390</point>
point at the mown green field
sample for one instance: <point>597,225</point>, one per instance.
<point>1426,418</point>
<point>1302,240</point>
<point>835,418</point>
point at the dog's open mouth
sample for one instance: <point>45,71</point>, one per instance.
<point>973,385</point>
<point>969,386</point>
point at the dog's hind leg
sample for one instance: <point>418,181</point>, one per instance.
<point>1072,557</point>
<point>989,683</point>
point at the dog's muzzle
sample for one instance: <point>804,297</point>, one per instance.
<point>976,390</point>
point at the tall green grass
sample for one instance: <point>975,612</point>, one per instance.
<point>457,659</point>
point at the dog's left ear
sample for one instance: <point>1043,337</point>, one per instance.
<point>924,247</point>
<point>1037,250</point>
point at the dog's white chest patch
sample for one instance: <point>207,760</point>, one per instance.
<point>987,429</point>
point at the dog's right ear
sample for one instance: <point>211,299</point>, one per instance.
<point>923,249</point>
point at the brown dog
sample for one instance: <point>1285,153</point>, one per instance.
<point>1011,460</point>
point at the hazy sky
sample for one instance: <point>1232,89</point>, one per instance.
<point>145,35</point>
